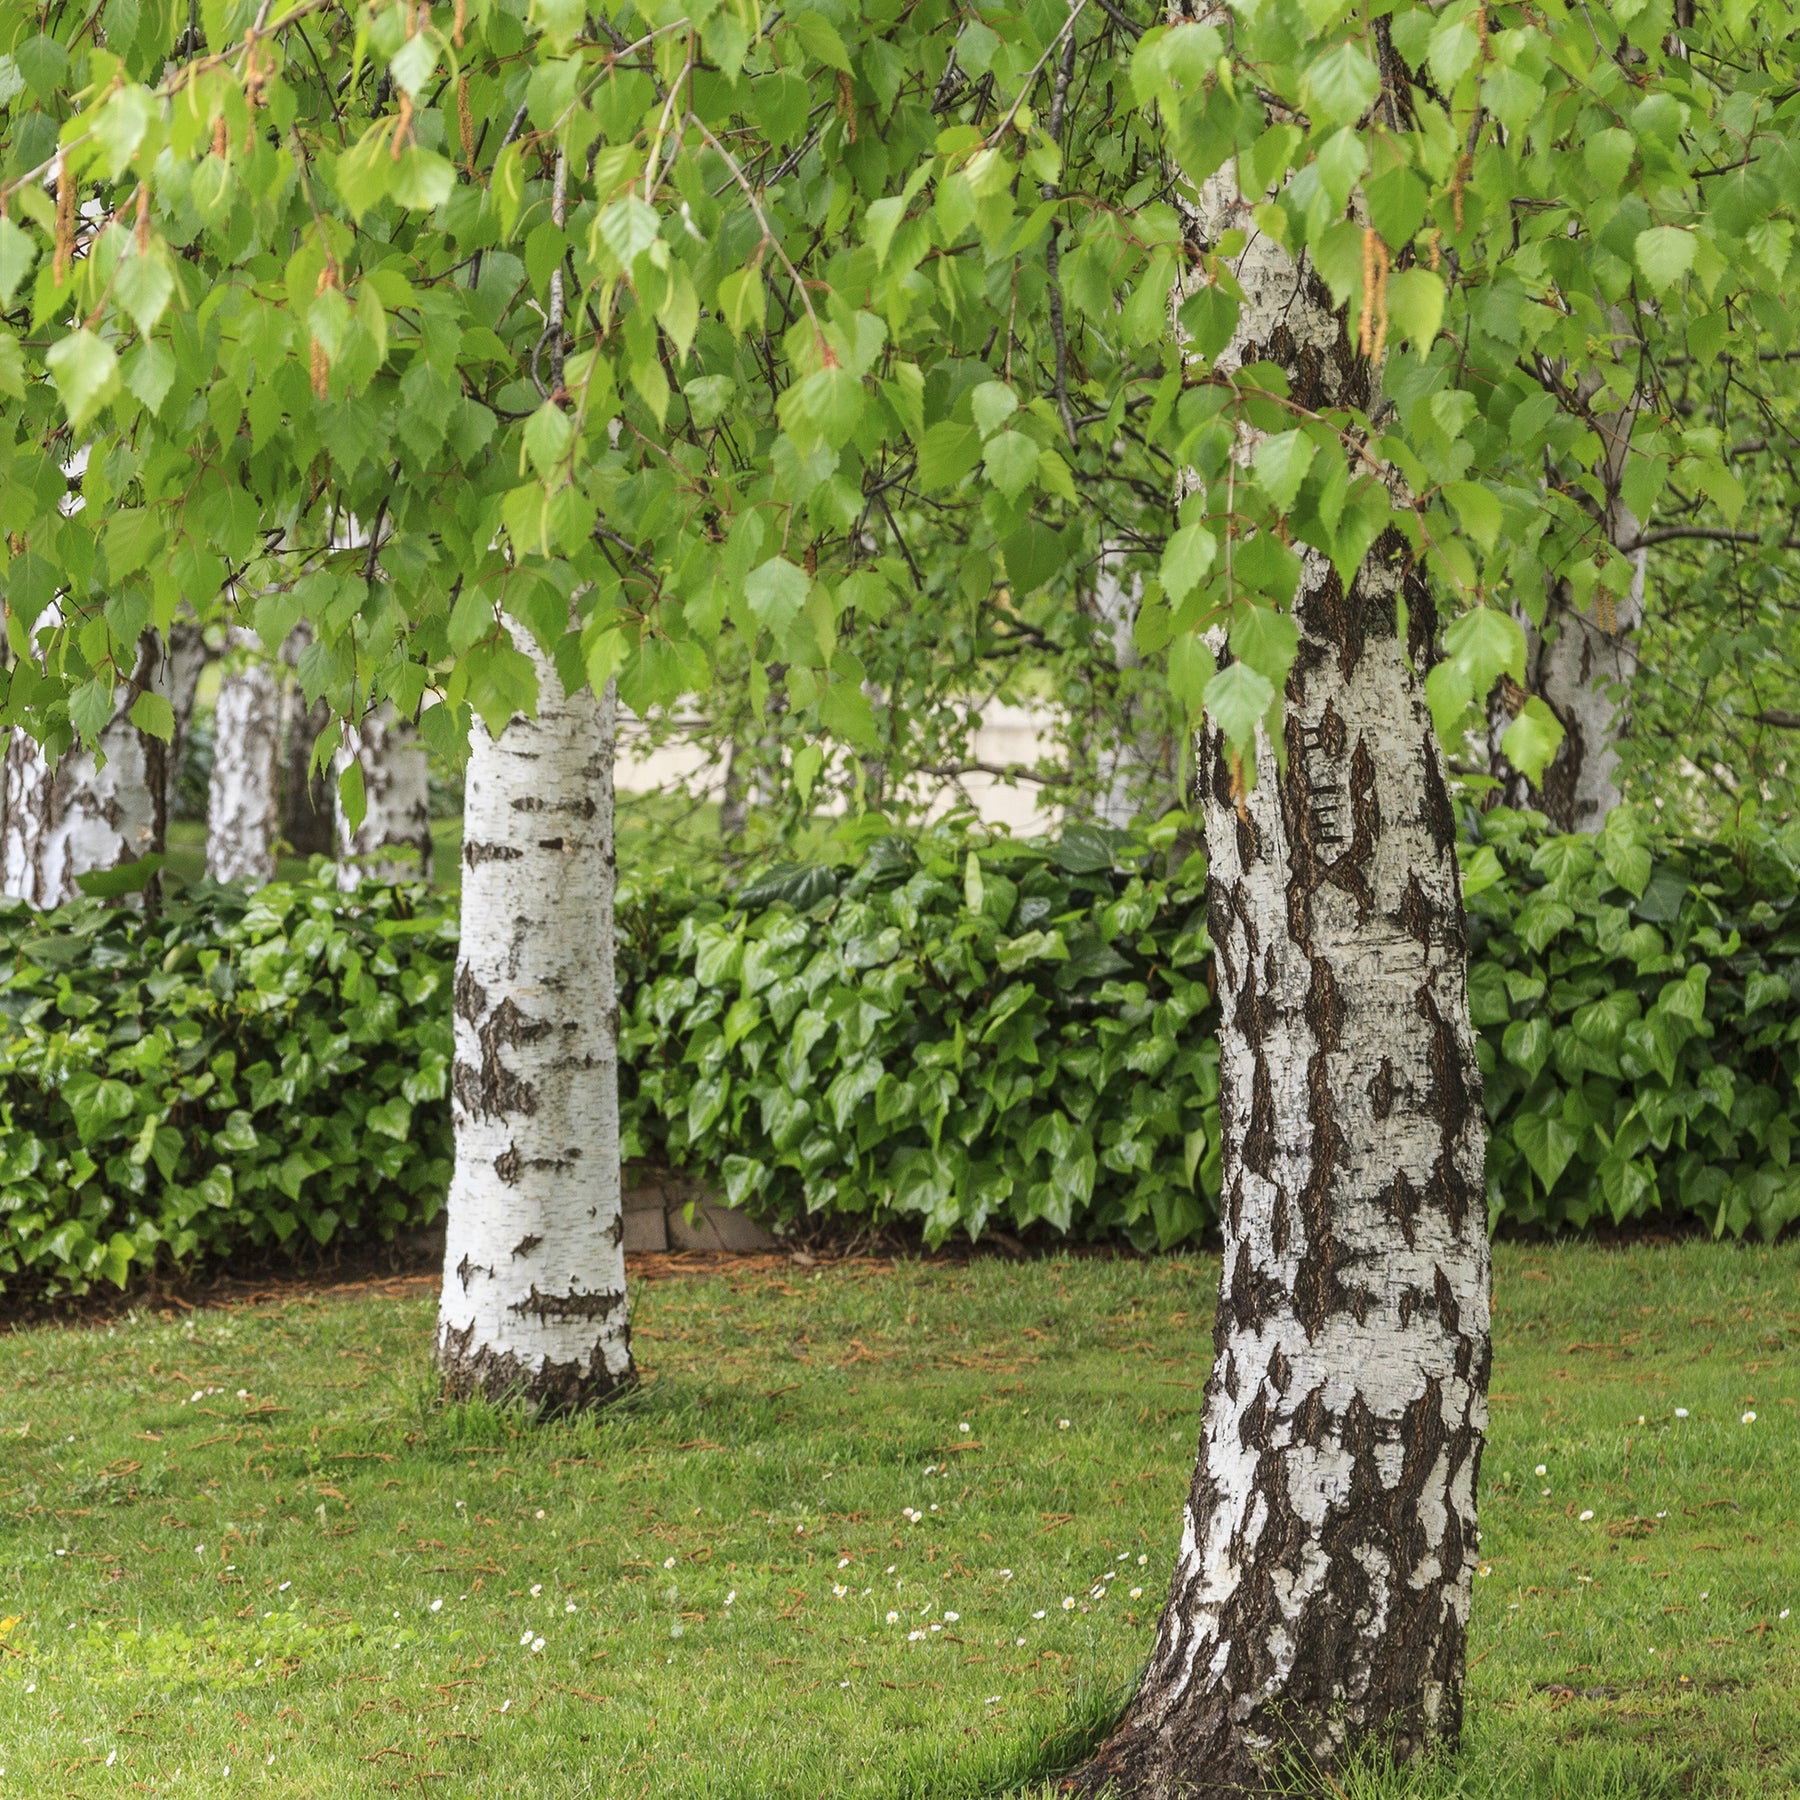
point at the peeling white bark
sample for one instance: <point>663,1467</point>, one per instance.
<point>243,813</point>
<point>393,843</point>
<point>1321,1594</point>
<point>534,1269</point>
<point>82,817</point>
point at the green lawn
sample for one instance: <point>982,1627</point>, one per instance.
<point>251,1539</point>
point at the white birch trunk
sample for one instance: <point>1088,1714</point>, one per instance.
<point>1123,766</point>
<point>188,655</point>
<point>1582,662</point>
<point>80,817</point>
<point>534,1266</point>
<point>243,812</point>
<point>1321,1591</point>
<point>308,813</point>
<point>393,843</point>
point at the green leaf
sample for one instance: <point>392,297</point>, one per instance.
<point>880,222</point>
<point>353,799</point>
<point>1011,460</point>
<point>153,714</point>
<point>1281,463</point>
<point>17,254</point>
<point>1191,667</point>
<point>1186,558</point>
<point>1340,86</point>
<point>1665,253</point>
<point>124,878</point>
<point>144,286</point>
<point>844,711</point>
<point>809,759</point>
<point>1477,511</point>
<point>991,405</point>
<point>1266,640</point>
<point>1415,304</point>
<point>549,433</point>
<point>1548,1144</point>
<point>821,39</point>
<point>948,453</point>
<point>1237,700</point>
<point>422,180</point>
<point>85,369</point>
<point>776,591</point>
<point>1531,740</point>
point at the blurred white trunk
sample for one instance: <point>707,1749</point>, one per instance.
<point>1122,768</point>
<point>243,812</point>
<point>393,843</point>
<point>81,817</point>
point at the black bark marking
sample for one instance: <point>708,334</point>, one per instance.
<point>492,1090</point>
<point>566,1306</point>
<point>470,995</point>
<point>554,1387</point>
<point>528,1243</point>
<point>475,854</point>
<point>1402,1201</point>
<point>1439,816</point>
<point>1417,916</point>
<point>1381,1090</point>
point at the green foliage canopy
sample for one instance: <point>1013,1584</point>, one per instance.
<point>680,331</point>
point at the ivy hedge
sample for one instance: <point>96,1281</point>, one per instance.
<point>967,1033</point>
<point>234,1072</point>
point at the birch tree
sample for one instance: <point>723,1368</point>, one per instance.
<point>90,811</point>
<point>1322,1590</point>
<point>534,1297</point>
<point>384,833</point>
<point>243,811</point>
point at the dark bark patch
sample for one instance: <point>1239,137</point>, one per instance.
<point>528,1243</point>
<point>470,995</point>
<point>566,1306</point>
<point>474,854</point>
<point>1439,816</point>
<point>553,1387</point>
<point>1381,1092</point>
<point>1417,916</point>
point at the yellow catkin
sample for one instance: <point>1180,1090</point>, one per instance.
<point>321,363</point>
<point>847,106</point>
<point>1609,618</point>
<point>221,144</point>
<point>402,126</point>
<point>65,221</point>
<point>1365,335</point>
<point>143,218</point>
<point>462,18</point>
<point>1381,311</point>
<point>465,120</point>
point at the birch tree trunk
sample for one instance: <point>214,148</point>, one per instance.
<point>308,817</point>
<point>534,1266</point>
<point>393,842</point>
<point>187,657</point>
<point>1123,766</point>
<point>79,817</point>
<point>1321,1592</point>
<point>1582,661</point>
<point>243,812</point>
